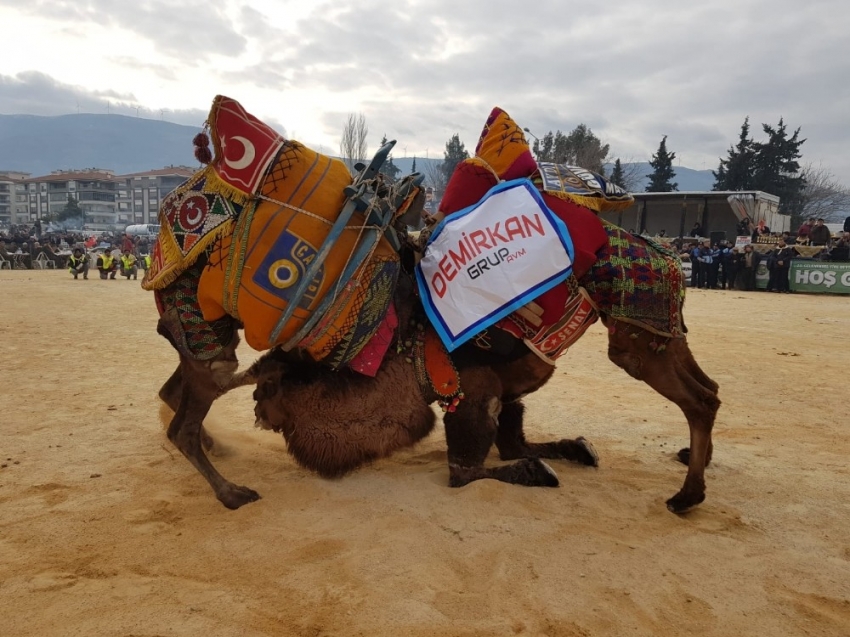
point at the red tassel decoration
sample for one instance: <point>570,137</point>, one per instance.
<point>201,139</point>
<point>203,154</point>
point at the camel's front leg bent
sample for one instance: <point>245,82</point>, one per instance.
<point>199,391</point>
<point>511,442</point>
<point>471,430</point>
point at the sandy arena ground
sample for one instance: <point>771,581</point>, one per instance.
<point>106,530</point>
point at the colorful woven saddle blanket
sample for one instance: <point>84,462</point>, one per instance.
<point>260,211</point>
<point>556,318</point>
<point>638,281</point>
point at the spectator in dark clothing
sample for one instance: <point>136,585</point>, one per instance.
<point>841,250</point>
<point>820,234</point>
<point>705,260</point>
<point>761,230</point>
<point>696,231</point>
<point>847,224</point>
<point>745,227</point>
<point>732,265</point>
<point>779,265</point>
<point>749,265</point>
<point>805,229</point>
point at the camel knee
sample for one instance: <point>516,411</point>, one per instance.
<point>627,361</point>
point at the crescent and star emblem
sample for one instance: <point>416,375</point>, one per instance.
<point>248,153</point>
<point>191,208</point>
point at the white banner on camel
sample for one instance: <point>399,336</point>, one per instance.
<point>487,260</point>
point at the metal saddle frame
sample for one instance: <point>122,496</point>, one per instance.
<point>371,196</point>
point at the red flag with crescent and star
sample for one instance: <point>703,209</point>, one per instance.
<point>244,146</point>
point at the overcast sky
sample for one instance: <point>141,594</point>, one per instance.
<point>421,71</point>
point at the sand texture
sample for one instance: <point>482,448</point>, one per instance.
<point>105,529</point>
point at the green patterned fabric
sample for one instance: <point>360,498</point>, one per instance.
<point>180,312</point>
<point>637,281</point>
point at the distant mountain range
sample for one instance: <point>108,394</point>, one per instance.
<point>40,145</point>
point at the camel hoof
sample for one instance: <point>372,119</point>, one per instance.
<point>684,456</point>
<point>681,503</point>
<point>234,496</point>
<point>538,473</point>
<point>586,453</point>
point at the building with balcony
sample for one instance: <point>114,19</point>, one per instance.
<point>94,189</point>
<point>140,194</point>
<point>14,208</point>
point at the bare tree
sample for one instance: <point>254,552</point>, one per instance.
<point>823,196</point>
<point>435,177</point>
<point>352,147</point>
<point>632,173</point>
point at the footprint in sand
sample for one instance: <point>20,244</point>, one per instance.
<point>49,582</point>
<point>52,493</point>
<point>160,515</point>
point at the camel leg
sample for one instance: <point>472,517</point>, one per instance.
<point>201,382</point>
<point>171,392</point>
<point>510,440</point>
<point>471,430</point>
<point>199,391</point>
<point>673,374</point>
<point>695,370</point>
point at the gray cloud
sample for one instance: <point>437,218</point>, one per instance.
<point>191,29</point>
<point>633,72</point>
<point>35,93</point>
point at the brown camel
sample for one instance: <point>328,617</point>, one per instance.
<point>335,421</point>
<point>293,204</point>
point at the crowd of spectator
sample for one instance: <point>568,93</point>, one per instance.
<point>721,265</point>
<point>27,247</point>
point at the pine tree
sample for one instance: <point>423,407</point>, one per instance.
<point>617,174</point>
<point>660,179</point>
<point>71,210</point>
<point>776,169</point>
<point>455,153</point>
<point>736,171</point>
<point>389,169</point>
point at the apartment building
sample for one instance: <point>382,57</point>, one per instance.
<point>140,194</point>
<point>14,208</point>
<point>95,190</point>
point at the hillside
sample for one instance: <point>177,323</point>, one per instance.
<point>40,145</point>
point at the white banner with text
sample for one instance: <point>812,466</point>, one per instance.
<point>487,260</point>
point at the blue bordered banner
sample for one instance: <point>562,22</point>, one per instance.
<point>487,260</point>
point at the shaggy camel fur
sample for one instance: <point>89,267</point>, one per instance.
<point>334,422</point>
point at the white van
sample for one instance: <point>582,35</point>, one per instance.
<point>151,230</point>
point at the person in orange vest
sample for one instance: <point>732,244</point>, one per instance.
<point>78,263</point>
<point>107,264</point>
<point>128,265</point>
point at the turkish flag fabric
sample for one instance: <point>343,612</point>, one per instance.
<point>244,146</point>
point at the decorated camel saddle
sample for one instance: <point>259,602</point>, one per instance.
<point>520,249</point>
<point>289,237</point>
<point>304,255</point>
